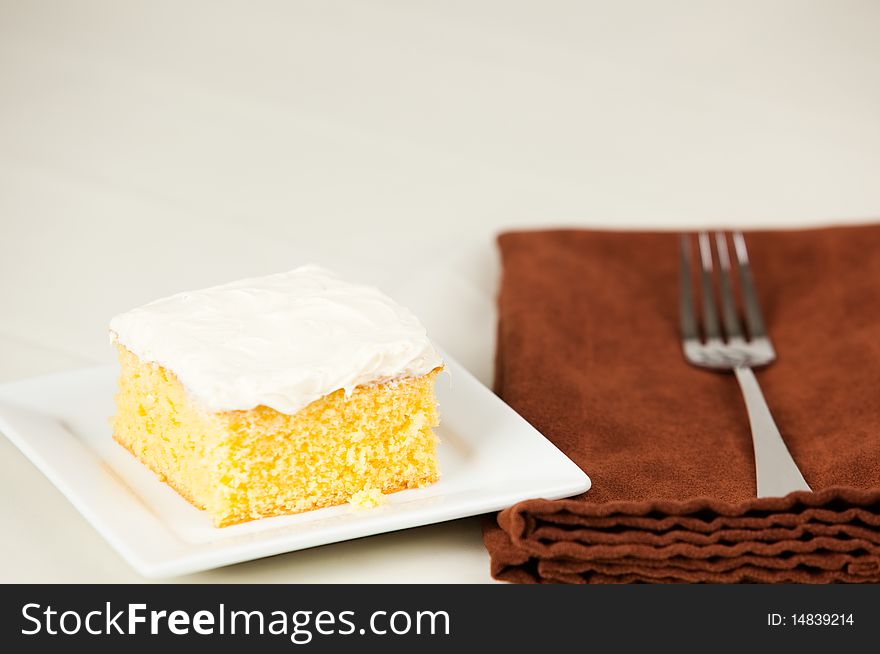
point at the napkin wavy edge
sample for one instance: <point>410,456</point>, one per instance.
<point>519,554</point>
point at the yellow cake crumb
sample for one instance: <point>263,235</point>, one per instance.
<point>244,465</point>
<point>369,498</point>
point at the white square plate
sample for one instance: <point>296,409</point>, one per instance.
<point>490,458</point>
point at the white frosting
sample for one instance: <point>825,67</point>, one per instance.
<point>281,341</point>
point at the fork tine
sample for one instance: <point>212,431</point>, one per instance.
<point>732,327</point>
<point>686,314</point>
<point>710,314</point>
<point>754,321</point>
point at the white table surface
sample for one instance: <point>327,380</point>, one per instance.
<point>151,147</point>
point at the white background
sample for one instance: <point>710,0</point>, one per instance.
<point>146,148</point>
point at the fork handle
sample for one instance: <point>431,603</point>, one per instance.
<point>777,473</point>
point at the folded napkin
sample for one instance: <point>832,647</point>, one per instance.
<point>589,353</point>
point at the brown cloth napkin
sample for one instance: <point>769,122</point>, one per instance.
<point>589,353</point>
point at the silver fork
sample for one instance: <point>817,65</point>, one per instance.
<point>776,471</point>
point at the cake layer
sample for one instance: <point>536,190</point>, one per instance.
<point>280,341</point>
<point>245,464</point>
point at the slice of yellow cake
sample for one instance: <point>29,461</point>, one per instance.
<point>278,394</point>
